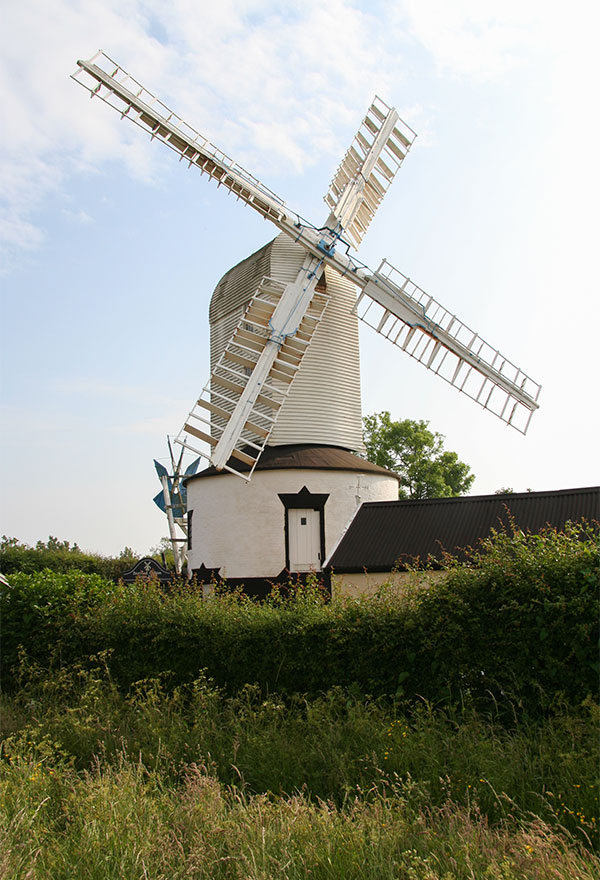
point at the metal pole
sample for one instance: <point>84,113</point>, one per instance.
<point>172,532</point>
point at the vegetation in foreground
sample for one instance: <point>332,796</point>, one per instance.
<point>476,756</point>
<point>521,623</point>
<point>192,782</point>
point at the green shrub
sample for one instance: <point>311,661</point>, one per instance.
<point>521,618</point>
<point>517,627</point>
<point>60,556</point>
<point>38,611</point>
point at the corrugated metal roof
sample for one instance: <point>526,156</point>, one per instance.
<point>385,534</point>
<point>303,456</point>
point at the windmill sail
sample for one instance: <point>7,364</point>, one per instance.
<point>238,408</point>
<point>394,306</point>
<point>367,170</point>
<point>107,80</point>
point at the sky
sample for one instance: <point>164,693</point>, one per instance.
<point>110,248</point>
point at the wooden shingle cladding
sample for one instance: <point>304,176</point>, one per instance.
<point>395,534</point>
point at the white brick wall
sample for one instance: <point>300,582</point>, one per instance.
<point>238,527</point>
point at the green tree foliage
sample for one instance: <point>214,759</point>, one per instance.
<point>163,552</point>
<point>417,455</point>
<point>55,545</point>
<point>60,556</point>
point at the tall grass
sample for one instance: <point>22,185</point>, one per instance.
<point>192,782</point>
<point>122,821</point>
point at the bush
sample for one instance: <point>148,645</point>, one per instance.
<point>520,617</point>
<point>39,611</point>
<point>60,556</point>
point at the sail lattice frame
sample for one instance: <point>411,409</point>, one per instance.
<point>436,338</point>
<point>217,404</point>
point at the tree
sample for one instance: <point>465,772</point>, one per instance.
<point>417,455</point>
<point>55,545</point>
<point>508,491</point>
<point>163,552</point>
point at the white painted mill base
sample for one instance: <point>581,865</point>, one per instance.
<point>246,530</point>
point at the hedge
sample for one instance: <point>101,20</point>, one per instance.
<point>518,622</point>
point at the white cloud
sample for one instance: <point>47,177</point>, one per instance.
<point>477,38</point>
<point>17,232</point>
<point>481,40</point>
<point>80,217</point>
<point>272,82</point>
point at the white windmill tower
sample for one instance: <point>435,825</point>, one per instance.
<point>282,405</point>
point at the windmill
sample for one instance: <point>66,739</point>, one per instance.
<point>259,362</point>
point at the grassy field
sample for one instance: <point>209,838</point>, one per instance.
<point>424,735</point>
<point>193,783</point>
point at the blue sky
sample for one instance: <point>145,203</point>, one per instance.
<point>110,248</point>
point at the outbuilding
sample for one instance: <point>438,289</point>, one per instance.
<point>387,539</point>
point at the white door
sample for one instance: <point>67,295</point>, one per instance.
<point>304,531</point>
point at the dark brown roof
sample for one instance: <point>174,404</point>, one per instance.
<point>303,455</point>
<point>385,534</point>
